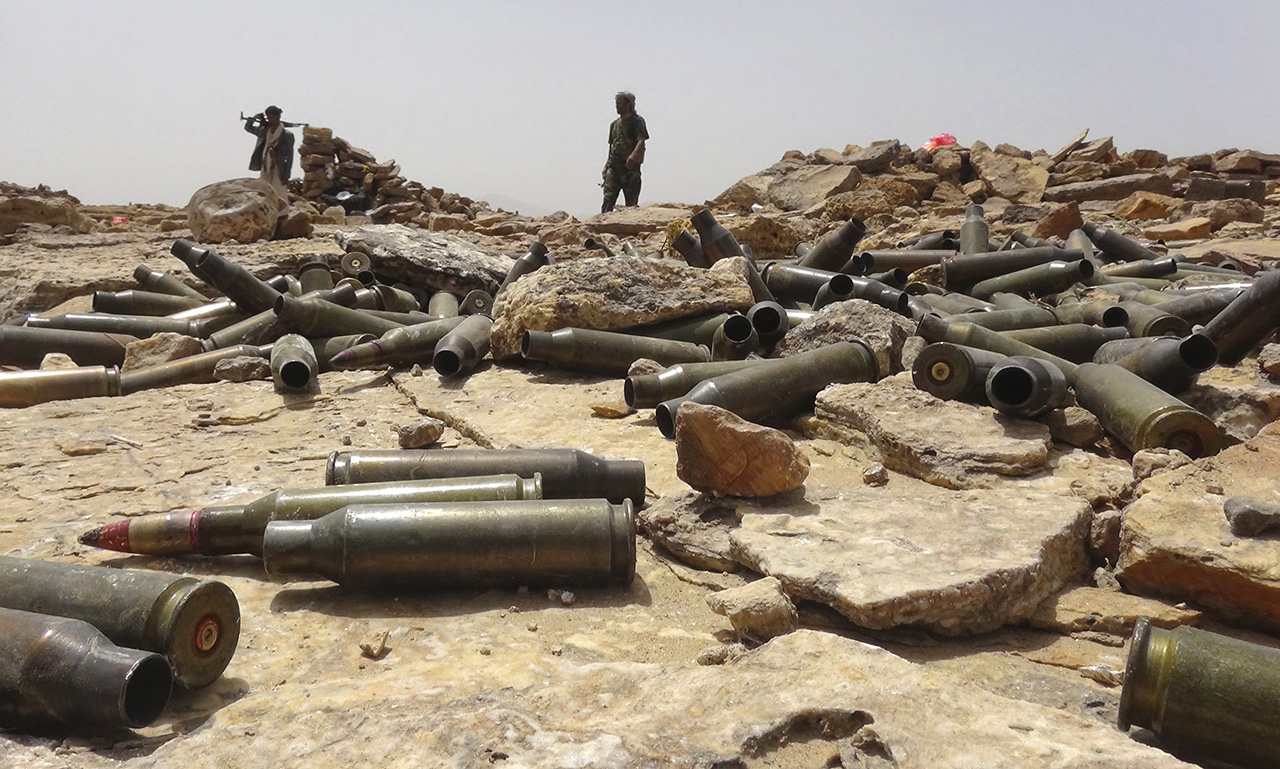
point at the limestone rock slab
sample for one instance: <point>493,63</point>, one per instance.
<point>948,443</point>
<point>1012,178</point>
<point>609,294</point>
<point>809,185</point>
<point>629,221</point>
<point>719,451</point>
<point>694,528</point>
<point>50,210</point>
<point>914,554</point>
<point>884,330</point>
<point>1091,609</point>
<point>1115,188</point>
<point>244,210</point>
<point>1187,229</point>
<point>423,258</point>
<point>1239,400</point>
<point>1177,544</point>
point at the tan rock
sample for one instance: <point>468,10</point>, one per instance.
<point>743,194</point>
<point>946,162</point>
<point>949,195</point>
<point>159,348</point>
<point>1059,222</point>
<point>875,159</point>
<point>1095,151</point>
<point>1073,425</point>
<point>1187,229</point>
<point>1069,147</point>
<point>610,294</point>
<point>1084,609</point>
<point>243,210</point>
<point>1238,399</point>
<point>427,259</point>
<point>694,528</point>
<point>1149,462</point>
<point>1269,359</point>
<point>335,214</point>
<point>1177,543</point>
<point>422,433</point>
<point>721,452</point>
<point>1223,212</point>
<point>632,221</point>
<point>1147,205</point>
<point>885,331</point>
<point>52,210</point>
<point>296,222</point>
<point>1077,171</point>
<point>976,190</point>
<point>860,203</point>
<point>810,185</point>
<point>947,443</point>
<point>1245,162</point>
<point>1146,159</point>
<point>57,361</point>
<point>758,611</point>
<point>1012,178</point>
<point>1116,188</point>
<point>769,236</point>
<point>242,368</point>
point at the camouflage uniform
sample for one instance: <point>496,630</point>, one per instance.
<point>624,133</point>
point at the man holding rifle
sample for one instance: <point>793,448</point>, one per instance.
<point>273,155</point>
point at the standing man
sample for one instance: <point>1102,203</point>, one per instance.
<point>273,155</point>
<point>626,152</point>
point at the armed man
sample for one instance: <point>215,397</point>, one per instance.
<point>627,136</point>
<point>273,154</point>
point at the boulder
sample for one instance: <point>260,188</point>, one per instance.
<point>1220,213</point>
<point>948,443</point>
<point>1147,205</point>
<point>611,294</point>
<point>632,221</point>
<point>860,203</point>
<point>1238,399</point>
<point>296,222</point>
<point>159,348</point>
<point>875,159</point>
<point>1012,178</point>
<point>769,236</point>
<point>243,210</point>
<point>40,209</point>
<point>1073,425</point>
<point>1059,222</point>
<point>427,259</point>
<point>1116,188</point>
<point>1146,159</point>
<point>1177,543</point>
<point>809,185</point>
<point>884,330</point>
<point>721,452</point>
<point>744,193</point>
<point>242,368</point>
<point>1149,462</point>
<point>758,611</point>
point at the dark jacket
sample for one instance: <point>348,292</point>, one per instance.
<point>284,149</point>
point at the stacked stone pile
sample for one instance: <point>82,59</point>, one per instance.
<point>330,162</point>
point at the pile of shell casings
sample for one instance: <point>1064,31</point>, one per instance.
<point>297,322</point>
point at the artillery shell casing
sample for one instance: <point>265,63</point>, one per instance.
<point>190,370</point>
<point>194,623</point>
<point>532,260</point>
<point>319,317</point>
<point>164,283</point>
<point>1205,693</point>
<point>1140,414</point>
<point>214,309</point>
<point>1075,342</point>
<point>1247,320</point>
<point>975,235</point>
<point>1146,320</point>
<point>1039,280</point>
<point>770,322</point>
<point>1142,268</point>
<point>315,275</point>
<point>697,329</point>
<point>963,270</point>
<point>26,347</point>
<point>135,302</point>
<point>406,344</point>
<point>1029,241</point>
<point>1167,362</point>
<point>1116,247</point>
<point>19,389</point>
<point>140,326</point>
<point>261,328</point>
<point>839,289</point>
<point>1097,313</point>
<point>954,372</point>
<point>354,263</point>
<point>461,544</point>
<point>835,250</point>
<point>734,340</point>
<point>326,347</point>
<point>293,363</point>
<point>461,350</point>
<point>60,670</point>
<point>1026,387</point>
<point>716,241</point>
<point>477,302</point>
<point>942,239</point>
<point>689,249</point>
<point>605,352</point>
<point>1004,320</point>
<point>1078,239</point>
<point>647,391</point>
<point>909,259</point>
<point>566,473</point>
<point>1202,306</point>
<point>935,329</point>
<point>234,281</point>
<point>443,305</point>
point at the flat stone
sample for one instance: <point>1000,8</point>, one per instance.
<point>719,451</point>
<point>885,331</point>
<point>859,203</point>
<point>53,210</point>
<point>1146,159</point>
<point>694,528</point>
<point>745,193</point>
<point>609,294</point>
<point>243,210</point>
<point>1116,188</point>
<point>1069,147</point>
<point>948,443</point>
<point>1076,171</point>
<point>1187,229</point>
<point>1239,162</point>
<point>875,159</point>
<point>810,185</point>
<point>643,366</point>
<point>1251,517</point>
<point>1012,178</point>
<point>758,611</point>
<point>630,221</point>
<point>1091,609</point>
<point>1147,205</point>
<point>1177,544</point>
<point>426,259</point>
<point>1059,222</point>
<point>159,348</point>
<point>1095,151</point>
<point>915,554</point>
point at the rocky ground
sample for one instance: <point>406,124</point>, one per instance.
<point>963,583</point>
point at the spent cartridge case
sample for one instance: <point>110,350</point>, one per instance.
<point>770,322</point>
<point>354,263</point>
<point>759,291</point>
<point>1142,268</point>
<point>293,363</point>
<point>1141,415</point>
<point>411,318</point>
<point>716,241</point>
<point>795,282</point>
<point>591,244</point>
<point>461,544</point>
<point>839,289</point>
<point>648,390</point>
<point>461,350</point>
<point>687,246</point>
<point>315,275</point>
<point>632,250</point>
<point>1038,280</point>
<point>734,340</point>
<point>1030,241</point>
<point>1203,693</point>
<point>261,328</point>
<point>535,258</point>
<point>1078,239</point>
<point>605,352</point>
<point>234,281</point>
<point>777,387</point>
<point>909,259</point>
<point>797,317</point>
<point>328,347</point>
<point>1004,320</point>
<point>164,283</point>
<point>194,623</point>
<point>1096,313</point>
<point>403,345</point>
<point>935,329</point>
<point>698,329</point>
<point>1026,387</point>
<point>975,235</point>
<point>942,239</point>
<point>1116,247</point>
<point>394,299</point>
<point>1147,320</point>
<point>1076,342</point>
<point>1247,320</point>
<point>1006,301</point>
<point>26,347</point>
<point>139,326</point>
<point>566,473</point>
<point>963,270</point>
<point>894,277</point>
<point>190,370</point>
<point>19,389</point>
<point>1167,362</point>
<point>443,305</point>
<point>954,304</point>
<point>1200,307</point>
<point>954,372</point>
<point>236,529</point>
<point>836,249</point>
<point>134,302</point>
<point>55,670</point>
<point>317,317</point>
<point>214,309</point>
<point>477,302</point>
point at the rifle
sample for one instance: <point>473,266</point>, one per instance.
<point>259,119</point>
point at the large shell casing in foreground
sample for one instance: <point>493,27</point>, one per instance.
<point>967,269</point>
<point>566,473</point>
<point>164,283</point>
<point>648,390</point>
<point>19,389</point>
<point>1141,415</point>
<point>698,329</point>
<point>909,259</point>
<point>1247,320</point>
<point>461,350</point>
<point>1096,313</point>
<point>770,322</point>
<point>1026,387</point>
<point>190,370</point>
<point>23,346</point>
<point>59,670</point>
<point>1004,320</point>
<point>935,329</point>
<point>1203,692</point>
<point>1202,306</point>
<point>443,304</point>
<point>237,283</point>
<point>134,325</point>
<point>135,302</point>
<point>717,242</point>
<point>293,363</point>
<point>778,387</point>
<point>461,544</point>
<point>476,302</point>
<point>1149,320</point>
<point>1167,362</point>
<point>605,352</point>
<point>261,328</point>
<point>194,623</point>
<point>835,250</point>
<point>953,371</point>
<point>689,249</point>
<point>1116,247</point>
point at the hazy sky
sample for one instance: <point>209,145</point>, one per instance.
<point>137,101</point>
